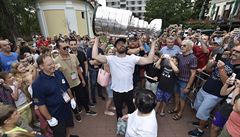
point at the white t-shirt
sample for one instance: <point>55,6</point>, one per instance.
<point>21,98</point>
<point>142,126</point>
<point>122,69</point>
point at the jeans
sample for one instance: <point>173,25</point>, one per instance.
<point>93,74</point>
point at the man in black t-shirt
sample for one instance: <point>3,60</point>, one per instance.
<point>209,95</point>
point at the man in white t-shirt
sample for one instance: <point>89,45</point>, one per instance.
<point>142,122</point>
<point>121,69</point>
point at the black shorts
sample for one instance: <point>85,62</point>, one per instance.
<point>60,129</point>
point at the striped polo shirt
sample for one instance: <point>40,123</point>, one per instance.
<point>185,64</point>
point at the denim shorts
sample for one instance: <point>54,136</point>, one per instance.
<point>163,96</point>
<point>180,85</point>
<point>109,91</point>
<point>205,103</point>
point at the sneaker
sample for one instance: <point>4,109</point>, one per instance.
<point>196,124</point>
<point>112,108</point>
<point>78,117</point>
<point>195,133</point>
<point>80,109</point>
<point>91,113</point>
<point>91,105</point>
<point>109,113</point>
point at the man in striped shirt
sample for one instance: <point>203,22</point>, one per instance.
<point>187,71</point>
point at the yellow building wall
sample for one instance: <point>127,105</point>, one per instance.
<point>82,23</point>
<point>56,22</point>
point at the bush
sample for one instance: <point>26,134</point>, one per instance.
<point>199,25</point>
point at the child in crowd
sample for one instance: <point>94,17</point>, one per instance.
<point>151,74</point>
<point>142,122</point>
<point>9,117</point>
<point>109,51</point>
<point>167,80</point>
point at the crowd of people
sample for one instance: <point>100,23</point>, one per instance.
<point>54,79</point>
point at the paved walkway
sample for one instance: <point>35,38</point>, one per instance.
<point>105,126</point>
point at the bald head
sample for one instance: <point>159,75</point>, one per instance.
<point>5,46</point>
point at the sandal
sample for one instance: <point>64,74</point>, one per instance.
<point>177,116</point>
<point>162,114</point>
<point>172,111</point>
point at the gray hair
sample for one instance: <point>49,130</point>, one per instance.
<point>188,43</point>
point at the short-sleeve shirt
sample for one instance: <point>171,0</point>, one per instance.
<point>166,78</point>
<point>202,58</point>
<point>7,61</point>
<point>48,91</point>
<point>170,51</point>
<point>122,69</point>
<point>214,84</point>
<point>68,68</point>
<point>185,65</point>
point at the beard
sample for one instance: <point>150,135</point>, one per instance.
<point>121,50</point>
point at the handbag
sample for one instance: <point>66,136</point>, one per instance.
<point>121,126</point>
<point>103,78</point>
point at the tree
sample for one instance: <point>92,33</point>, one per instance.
<point>170,11</point>
<point>199,9</point>
<point>18,18</point>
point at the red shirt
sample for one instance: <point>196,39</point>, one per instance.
<point>202,58</point>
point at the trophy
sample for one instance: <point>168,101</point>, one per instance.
<point>119,22</point>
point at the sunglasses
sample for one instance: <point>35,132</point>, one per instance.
<point>184,45</point>
<point>65,48</point>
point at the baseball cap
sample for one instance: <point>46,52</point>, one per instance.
<point>118,40</point>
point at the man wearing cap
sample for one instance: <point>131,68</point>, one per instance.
<point>122,68</point>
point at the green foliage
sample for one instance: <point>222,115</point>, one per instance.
<point>18,18</point>
<point>170,11</point>
<point>199,25</point>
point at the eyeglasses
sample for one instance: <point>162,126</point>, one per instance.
<point>65,48</point>
<point>236,51</point>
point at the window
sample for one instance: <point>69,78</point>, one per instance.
<point>132,2</point>
<point>122,0</point>
<point>113,3</point>
<point>133,8</point>
<point>82,15</point>
<point>122,6</point>
<point>139,8</point>
<point>139,2</point>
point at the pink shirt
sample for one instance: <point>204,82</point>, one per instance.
<point>233,124</point>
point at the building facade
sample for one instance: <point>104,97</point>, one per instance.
<point>64,16</point>
<point>224,10</point>
<point>136,6</point>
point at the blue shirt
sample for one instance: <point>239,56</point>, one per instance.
<point>170,51</point>
<point>48,91</point>
<point>7,61</point>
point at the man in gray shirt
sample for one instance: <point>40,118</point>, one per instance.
<point>170,49</point>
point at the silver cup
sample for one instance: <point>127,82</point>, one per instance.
<point>119,22</point>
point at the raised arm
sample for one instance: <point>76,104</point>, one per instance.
<point>149,58</point>
<point>95,55</point>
